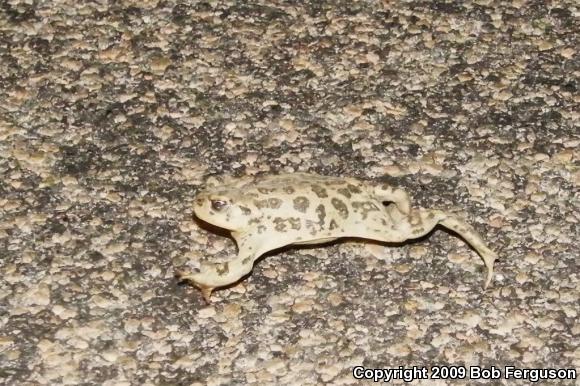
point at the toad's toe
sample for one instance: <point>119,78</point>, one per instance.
<point>197,280</point>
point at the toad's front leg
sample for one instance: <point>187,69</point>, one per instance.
<point>212,276</point>
<point>422,221</point>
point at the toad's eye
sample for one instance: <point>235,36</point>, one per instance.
<point>218,204</point>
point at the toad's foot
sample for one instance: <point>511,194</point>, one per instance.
<point>212,276</point>
<point>197,280</point>
<point>422,221</point>
<point>489,257</point>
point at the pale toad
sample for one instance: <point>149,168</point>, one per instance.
<point>270,211</point>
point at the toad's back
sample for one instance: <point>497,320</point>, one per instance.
<point>302,207</point>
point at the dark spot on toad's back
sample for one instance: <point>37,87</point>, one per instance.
<point>222,269</point>
<point>415,219</point>
<point>245,210</point>
<point>319,191</point>
<point>294,223</point>
<point>340,207</point>
<point>285,224</point>
<point>418,231</point>
<point>289,190</point>
<point>280,224</point>
<point>333,225</point>
<point>266,190</point>
<point>353,188</point>
<point>301,204</point>
<point>275,203</point>
<point>260,204</point>
<point>321,213</point>
<point>364,207</point>
<point>344,191</point>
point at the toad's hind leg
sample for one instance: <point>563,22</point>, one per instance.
<point>399,197</point>
<point>422,221</point>
<point>212,276</point>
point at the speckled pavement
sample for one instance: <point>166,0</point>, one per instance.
<point>112,115</point>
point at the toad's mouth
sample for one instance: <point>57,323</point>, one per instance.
<point>210,221</point>
<point>211,226</point>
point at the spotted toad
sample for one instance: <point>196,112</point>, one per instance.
<point>271,211</point>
